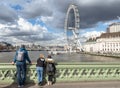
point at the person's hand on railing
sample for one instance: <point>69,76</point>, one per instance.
<point>30,63</point>
<point>12,63</point>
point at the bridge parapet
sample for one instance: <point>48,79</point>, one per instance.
<point>66,72</point>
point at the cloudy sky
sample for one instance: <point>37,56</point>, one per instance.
<point>42,21</point>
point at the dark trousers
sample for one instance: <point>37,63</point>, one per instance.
<point>50,77</point>
<point>21,74</point>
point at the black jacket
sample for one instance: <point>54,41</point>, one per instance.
<point>40,62</point>
<point>50,69</point>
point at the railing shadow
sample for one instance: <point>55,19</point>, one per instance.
<point>54,76</point>
<point>14,83</point>
<point>28,83</point>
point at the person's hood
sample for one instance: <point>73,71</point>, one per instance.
<point>50,60</point>
<point>22,48</point>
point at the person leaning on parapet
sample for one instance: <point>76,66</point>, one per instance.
<point>20,59</point>
<point>40,68</point>
<point>50,70</point>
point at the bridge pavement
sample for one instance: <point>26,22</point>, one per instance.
<point>101,84</point>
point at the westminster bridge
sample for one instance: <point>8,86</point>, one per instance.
<point>67,72</point>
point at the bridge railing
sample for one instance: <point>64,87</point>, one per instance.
<point>66,72</point>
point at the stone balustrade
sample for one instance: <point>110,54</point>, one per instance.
<point>66,72</point>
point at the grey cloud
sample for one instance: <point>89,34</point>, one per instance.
<point>90,13</point>
<point>30,36</point>
<point>35,9</point>
<point>36,38</point>
<point>6,39</point>
<point>7,14</point>
<point>98,12</point>
<point>15,34</point>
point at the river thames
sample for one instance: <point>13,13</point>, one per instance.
<point>7,57</point>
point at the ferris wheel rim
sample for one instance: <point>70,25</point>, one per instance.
<point>75,28</point>
<point>77,21</point>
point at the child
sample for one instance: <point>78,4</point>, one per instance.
<point>50,69</point>
<point>40,68</point>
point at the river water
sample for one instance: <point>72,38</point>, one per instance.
<point>7,57</point>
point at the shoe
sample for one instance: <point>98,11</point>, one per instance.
<point>50,83</point>
<point>39,83</point>
<point>19,86</point>
<point>22,85</point>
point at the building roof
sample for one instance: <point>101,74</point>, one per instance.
<point>118,23</point>
<point>92,39</point>
<point>107,35</point>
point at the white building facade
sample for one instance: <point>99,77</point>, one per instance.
<point>107,43</point>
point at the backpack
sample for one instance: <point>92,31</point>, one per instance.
<point>50,67</point>
<point>20,55</point>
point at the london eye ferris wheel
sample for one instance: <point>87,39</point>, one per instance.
<point>72,22</point>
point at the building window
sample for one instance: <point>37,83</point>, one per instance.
<point>117,44</point>
<point>103,49</point>
<point>103,45</point>
<point>111,44</point>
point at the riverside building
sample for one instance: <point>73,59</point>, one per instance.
<point>108,42</point>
